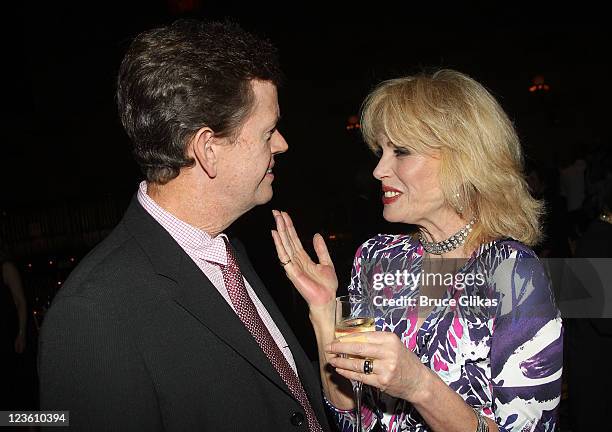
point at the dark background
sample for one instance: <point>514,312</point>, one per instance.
<point>65,165</point>
<point>62,138</point>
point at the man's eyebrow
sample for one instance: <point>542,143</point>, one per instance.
<point>273,128</point>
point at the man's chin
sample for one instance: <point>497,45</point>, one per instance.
<point>264,197</point>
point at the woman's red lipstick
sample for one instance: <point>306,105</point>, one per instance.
<point>390,199</point>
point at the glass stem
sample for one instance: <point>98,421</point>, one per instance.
<point>357,392</point>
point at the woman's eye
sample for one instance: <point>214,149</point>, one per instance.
<point>400,151</point>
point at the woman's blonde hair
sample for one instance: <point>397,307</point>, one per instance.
<point>481,164</point>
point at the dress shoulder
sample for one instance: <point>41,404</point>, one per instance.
<point>504,249</point>
<point>388,245</point>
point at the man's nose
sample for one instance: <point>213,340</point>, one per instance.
<point>279,145</point>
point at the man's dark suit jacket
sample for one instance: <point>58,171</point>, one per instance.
<point>138,339</point>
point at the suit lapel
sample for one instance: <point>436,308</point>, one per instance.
<point>194,292</point>
<point>198,296</point>
<point>306,372</point>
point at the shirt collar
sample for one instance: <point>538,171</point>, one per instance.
<point>193,240</point>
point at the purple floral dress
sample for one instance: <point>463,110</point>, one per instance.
<point>498,345</point>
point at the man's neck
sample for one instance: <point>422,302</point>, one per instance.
<point>190,203</point>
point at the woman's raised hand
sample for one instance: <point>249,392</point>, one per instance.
<point>317,283</point>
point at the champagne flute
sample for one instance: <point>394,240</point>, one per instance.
<point>354,315</point>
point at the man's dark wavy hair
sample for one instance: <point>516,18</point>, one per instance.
<point>177,79</point>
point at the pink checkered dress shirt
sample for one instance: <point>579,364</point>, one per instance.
<point>203,249</point>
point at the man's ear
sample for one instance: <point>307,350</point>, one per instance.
<point>204,151</point>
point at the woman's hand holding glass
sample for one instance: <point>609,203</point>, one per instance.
<point>397,371</point>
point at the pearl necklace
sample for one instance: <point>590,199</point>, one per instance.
<point>451,243</point>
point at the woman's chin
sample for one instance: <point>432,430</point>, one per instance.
<point>392,217</point>
<point>396,217</point>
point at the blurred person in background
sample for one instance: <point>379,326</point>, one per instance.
<point>13,326</point>
<point>589,340</point>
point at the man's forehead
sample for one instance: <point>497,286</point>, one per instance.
<point>265,89</point>
<point>266,99</point>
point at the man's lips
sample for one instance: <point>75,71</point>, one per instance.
<point>269,171</point>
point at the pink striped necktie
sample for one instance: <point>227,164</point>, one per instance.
<point>246,311</point>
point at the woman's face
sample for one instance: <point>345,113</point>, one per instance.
<point>410,186</point>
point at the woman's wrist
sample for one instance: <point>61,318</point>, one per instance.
<point>421,391</point>
<point>322,315</point>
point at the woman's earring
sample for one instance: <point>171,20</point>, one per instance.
<point>459,207</point>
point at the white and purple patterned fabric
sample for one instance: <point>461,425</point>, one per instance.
<point>503,358</point>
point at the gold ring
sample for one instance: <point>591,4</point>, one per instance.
<point>368,366</point>
<point>285,263</point>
